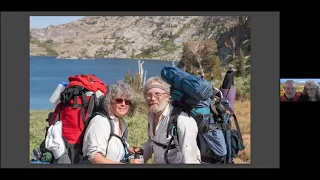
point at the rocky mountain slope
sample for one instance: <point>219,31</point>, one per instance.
<point>150,37</point>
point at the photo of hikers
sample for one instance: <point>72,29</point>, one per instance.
<point>140,90</point>
<point>297,90</point>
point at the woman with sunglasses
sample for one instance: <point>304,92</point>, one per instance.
<point>105,140</point>
<point>311,91</point>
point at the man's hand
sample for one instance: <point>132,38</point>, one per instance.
<point>135,161</point>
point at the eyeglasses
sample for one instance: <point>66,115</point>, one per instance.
<point>310,89</point>
<point>119,100</point>
<point>156,95</point>
<point>290,88</point>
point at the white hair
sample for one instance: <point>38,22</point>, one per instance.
<point>290,82</point>
<point>312,84</point>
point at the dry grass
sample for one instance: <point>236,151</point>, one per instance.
<point>299,88</point>
<point>137,127</point>
<point>243,114</point>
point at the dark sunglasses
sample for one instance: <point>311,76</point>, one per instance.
<point>118,100</point>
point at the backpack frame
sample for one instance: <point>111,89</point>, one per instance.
<point>221,113</point>
<point>81,102</point>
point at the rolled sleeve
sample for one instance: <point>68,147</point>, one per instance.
<point>187,132</point>
<point>96,137</point>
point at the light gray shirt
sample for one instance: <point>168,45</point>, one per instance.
<point>97,135</point>
<point>187,151</point>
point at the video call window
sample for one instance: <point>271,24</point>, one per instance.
<point>296,90</point>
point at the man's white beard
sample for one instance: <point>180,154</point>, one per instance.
<point>158,108</point>
<point>289,96</point>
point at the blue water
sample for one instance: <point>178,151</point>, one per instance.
<point>47,72</point>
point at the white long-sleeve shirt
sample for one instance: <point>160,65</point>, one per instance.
<point>97,135</point>
<point>187,152</point>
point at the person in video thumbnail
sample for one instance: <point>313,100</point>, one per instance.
<point>311,91</point>
<point>290,93</point>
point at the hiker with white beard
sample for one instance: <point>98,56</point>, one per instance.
<point>311,91</point>
<point>290,89</point>
<point>157,96</point>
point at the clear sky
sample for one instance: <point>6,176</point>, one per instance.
<point>45,21</point>
<point>301,81</point>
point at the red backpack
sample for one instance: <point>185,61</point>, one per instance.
<point>78,103</point>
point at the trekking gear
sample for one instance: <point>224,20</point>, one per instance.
<point>229,95</point>
<point>236,143</point>
<point>46,157</point>
<point>195,87</point>
<point>32,161</point>
<point>78,102</point>
<point>136,155</point>
<point>233,137</point>
<point>54,141</point>
<point>36,154</point>
<point>55,97</point>
<point>200,100</point>
<point>41,155</point>
<point>228,89</point>
<point>228,80</point>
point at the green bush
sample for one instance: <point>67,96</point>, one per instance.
<point>243,87</point>
<point>134,81</point>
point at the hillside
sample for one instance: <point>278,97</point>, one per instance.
<point>150,37</point>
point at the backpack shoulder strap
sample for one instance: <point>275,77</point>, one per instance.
<point>172,128</point>
<point>172,124</point>
<point>237,126</point>
<point>73,92</point>
<point>122,139</point>
<point>91,105</point>
<point>173,119</point>
<point>125,134</point>
<point>86,123</point>
<point>112,133</point>
<point>110,123</point>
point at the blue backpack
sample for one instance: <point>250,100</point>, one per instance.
<point>198,98</point>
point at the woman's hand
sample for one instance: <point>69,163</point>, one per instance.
<point>135,161</point>
<point>100,159</point>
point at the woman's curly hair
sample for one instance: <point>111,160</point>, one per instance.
<point>119,89</point>
<point>312,84</point>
